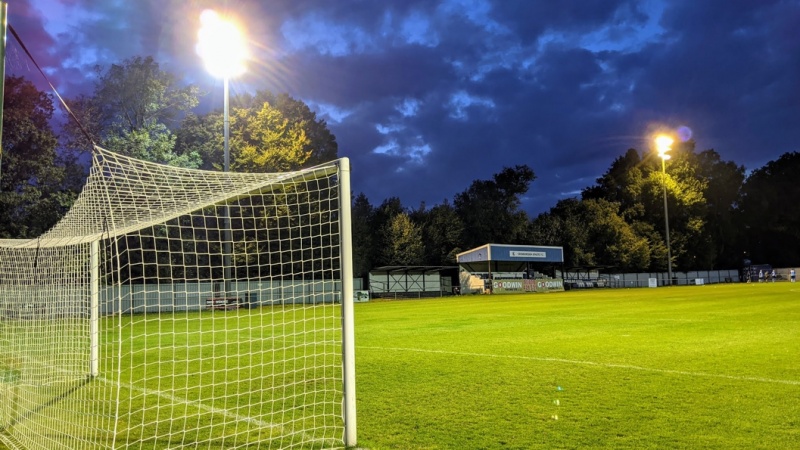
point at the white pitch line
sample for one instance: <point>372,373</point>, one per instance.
<point>592,363</point>
<point>202,406</point>
<point>223,412</point>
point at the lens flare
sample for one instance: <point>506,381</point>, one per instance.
<point>684,133</point>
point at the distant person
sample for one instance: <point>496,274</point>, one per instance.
<point>760,276</point>
<point>773,275</point>
<point>792,275</point>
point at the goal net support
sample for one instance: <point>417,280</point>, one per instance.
<point>178,308</point>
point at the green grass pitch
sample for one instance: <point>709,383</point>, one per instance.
<point>714,366</point>
<point>259,378</point>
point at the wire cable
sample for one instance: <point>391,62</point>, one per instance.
<point>66,107</point>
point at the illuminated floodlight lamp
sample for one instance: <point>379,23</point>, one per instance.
<point>221,45</point>
<point>663,145</point>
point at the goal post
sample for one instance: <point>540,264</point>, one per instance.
<point>348,319</point>
<point>94,309</point>
<point>180,308</point>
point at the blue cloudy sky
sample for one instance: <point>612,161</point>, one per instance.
<point>425,96</point>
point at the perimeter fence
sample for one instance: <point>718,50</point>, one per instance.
<point>584,280</point>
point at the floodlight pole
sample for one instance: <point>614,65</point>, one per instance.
<point>663,145</point>
<point>226,168</point>
<point>226,124</point>
<point>666,220</point>
<point>222,48</point>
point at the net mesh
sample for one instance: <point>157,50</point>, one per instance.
<point>177,308</point>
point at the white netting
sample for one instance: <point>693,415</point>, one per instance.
<point>176,308</point>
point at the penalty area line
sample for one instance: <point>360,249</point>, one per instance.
<point>591,363</point>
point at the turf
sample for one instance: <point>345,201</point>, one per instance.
<point>683,367</point>
<point>248,378</point>
<point>697,367</point>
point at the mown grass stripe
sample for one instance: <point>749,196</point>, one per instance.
<point>589,363</point>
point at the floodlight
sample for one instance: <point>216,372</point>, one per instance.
<point>221,45</point>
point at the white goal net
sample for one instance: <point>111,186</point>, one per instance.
<point>177,308</point>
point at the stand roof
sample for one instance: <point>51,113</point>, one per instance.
<point>513,253</point>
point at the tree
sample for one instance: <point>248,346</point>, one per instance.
<point>36,186</point>
<point>768,215</point>
<point>364,248</point>
<point>622,184</point>
<point>381,218</point>
<point>321,142</point>
<point>701,193</point>
<point>155,144</point>
<point>722,231</point>
<point>613,242</point>
<point>686,201</point>
<point>403,242</point>
<point>441,234</point>
<point>593,233</point>
<point>131,111</point>
<point>79,133</point>
<point>658,246</point>
<point>269,133</point>
<point>202,134</point>
<point>263,140</point>
<point>490,209</point>
<point>137,94</point>
<point>564,226</point>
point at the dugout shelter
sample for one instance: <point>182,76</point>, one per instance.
<point>412,281</point>
<point>506,268</point>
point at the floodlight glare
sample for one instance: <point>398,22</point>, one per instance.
<point>221,45</point>
<point>663,145</point>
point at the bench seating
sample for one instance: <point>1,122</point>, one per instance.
<point>223,303</point>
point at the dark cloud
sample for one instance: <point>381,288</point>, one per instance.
<point>530,20</point>
<point>349,81</point>
<point>426,97</point>
<point>29,21</point>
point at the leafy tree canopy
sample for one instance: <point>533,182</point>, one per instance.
<point>269,133</point>
<point>403,242</point>
<point>36,187</point>
<point>138,94</point>
<point>131,111</point>
<point>769,216</point>
<point>490,209</point>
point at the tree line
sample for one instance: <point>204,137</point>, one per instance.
<point>720,217</point>
<point>719,214</point>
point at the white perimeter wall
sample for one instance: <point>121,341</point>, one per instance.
<point>681,278</point>
<point>72,301</point>
<point>192,296</point>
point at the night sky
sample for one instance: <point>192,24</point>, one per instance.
<point>426,96</point>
